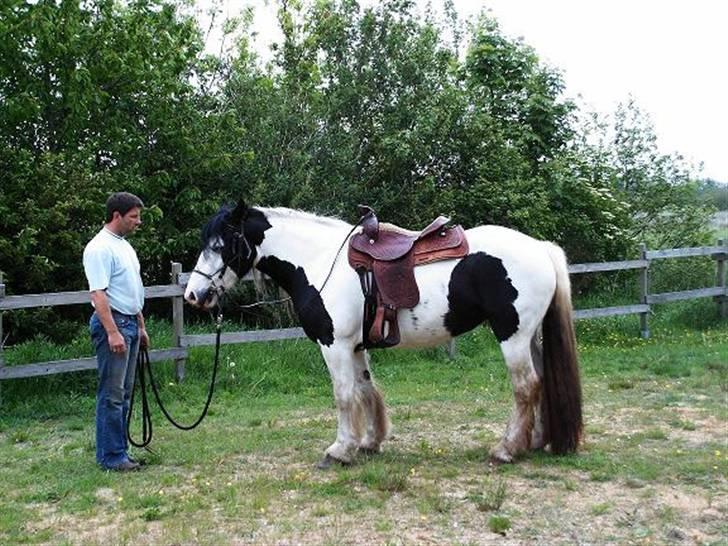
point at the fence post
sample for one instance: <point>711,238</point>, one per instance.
<point>719,281</point>
<point>178,322</point>
<point>644,291</point>
<point>2,338</point>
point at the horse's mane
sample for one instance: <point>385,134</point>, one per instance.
<point>299,215</point>
<point>215,226</point>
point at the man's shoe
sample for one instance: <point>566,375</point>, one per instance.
<point>126,466</point>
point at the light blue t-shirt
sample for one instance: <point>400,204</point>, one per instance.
<point>111,264</point>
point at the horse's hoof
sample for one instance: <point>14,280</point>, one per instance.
<point>499,457</point>
<point>370,451</point>
<point>328,461</point>
<point>495,462</point>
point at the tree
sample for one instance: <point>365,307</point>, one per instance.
<point>660,188</point>
<point>372,105</point>
<point>713,193</point>
<point>98,97</point>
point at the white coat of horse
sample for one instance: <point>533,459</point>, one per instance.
<point>516,284</point>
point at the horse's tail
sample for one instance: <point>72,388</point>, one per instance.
<point>561,400</point>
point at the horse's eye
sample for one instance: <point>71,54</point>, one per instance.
<point>216,248</point>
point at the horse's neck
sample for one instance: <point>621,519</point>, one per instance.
<point>304,242</point>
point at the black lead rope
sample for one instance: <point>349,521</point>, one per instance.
<point>143,369</point>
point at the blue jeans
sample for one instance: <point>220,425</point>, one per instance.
<point>116,381</point>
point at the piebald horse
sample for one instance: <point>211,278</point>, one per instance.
<point>516,284</point>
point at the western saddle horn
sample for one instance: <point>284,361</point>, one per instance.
<point>385,257</point>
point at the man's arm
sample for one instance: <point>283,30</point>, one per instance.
<point>103,310</point>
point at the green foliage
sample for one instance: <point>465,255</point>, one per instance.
<point>372,105</point>
<point>98,97</point>
<point>358,105</point>
<point>512,86</point>
<point>588,215</point>
<point>49,203</point>
<point>713,193</point>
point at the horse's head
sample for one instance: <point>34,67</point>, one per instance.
<point>229,241</point>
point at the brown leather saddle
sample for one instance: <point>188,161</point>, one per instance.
<point>385,257</point>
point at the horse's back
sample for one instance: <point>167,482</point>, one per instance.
<point>518,252</point>
<point>501,262</point>
<point>501,240</point>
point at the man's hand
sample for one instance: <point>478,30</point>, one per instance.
<point>143,338</point>
<point>117,343</point>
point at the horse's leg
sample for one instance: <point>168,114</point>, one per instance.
<point>526,392</point>
<point>376,412</point>
<point>362,420</point>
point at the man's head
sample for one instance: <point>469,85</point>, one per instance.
<point>123,212</point>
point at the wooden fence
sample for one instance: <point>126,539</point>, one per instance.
<point>182,341</point>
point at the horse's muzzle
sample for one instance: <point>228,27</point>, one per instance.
<point>204,299</point>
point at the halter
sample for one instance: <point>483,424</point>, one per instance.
<point>240,240</point>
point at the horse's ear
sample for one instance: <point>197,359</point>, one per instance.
<point>239,213</point>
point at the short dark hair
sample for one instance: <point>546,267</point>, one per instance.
<point>122,202</point>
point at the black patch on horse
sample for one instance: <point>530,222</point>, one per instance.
<point>256,225</point>
<point>307,301</point>
<point>480,291</point>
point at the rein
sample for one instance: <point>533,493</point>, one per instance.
<point>338,252</point>
<point>144,368</point>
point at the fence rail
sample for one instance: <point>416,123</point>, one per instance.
<point>27,301</point>
<point>608,266</point>
<point>182,342</point>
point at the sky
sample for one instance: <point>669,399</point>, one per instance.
<point>670,56</point>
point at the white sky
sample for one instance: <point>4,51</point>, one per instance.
<point>670,55</point>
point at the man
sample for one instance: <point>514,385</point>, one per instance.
<point>117,325</point>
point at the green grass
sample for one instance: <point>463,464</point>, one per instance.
<point>653,410</point>
<point>490,497</point>
<point>499,524</point>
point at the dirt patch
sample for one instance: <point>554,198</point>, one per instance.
<point>95,530</point>
<point>597,514</point>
